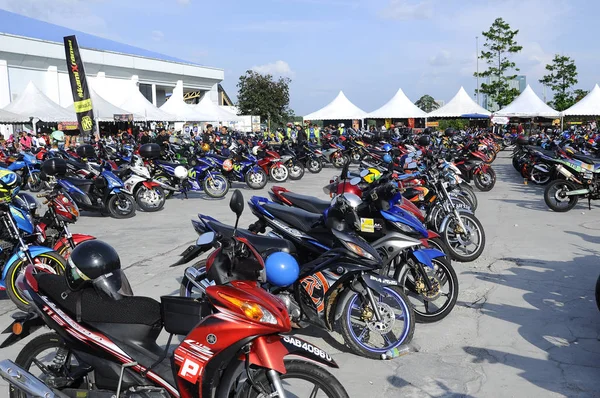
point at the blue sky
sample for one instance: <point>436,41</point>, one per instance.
<point>367,48</point>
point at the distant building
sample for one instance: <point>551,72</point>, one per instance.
<point>520,83</point>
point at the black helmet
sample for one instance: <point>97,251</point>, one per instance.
<point>97,263</point>
<point>423,140</point>
<point>428,130</point>
<point>449,132</point>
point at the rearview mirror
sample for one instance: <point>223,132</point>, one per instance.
<point>355,181</point>
<point>236,204</point>
<point>205,239</point>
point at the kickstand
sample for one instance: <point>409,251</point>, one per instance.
<point>123,367</point>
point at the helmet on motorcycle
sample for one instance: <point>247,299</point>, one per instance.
<point>97,263</point>
<point>205,147</point>
<point>373,175</point>
<point>566,135</point>
<point>282,269</point>
<point>423,140</point>
<point>341,125</point>
<point>26,202</point>
<point>180,172</point>
<point>449,132</point>
<point>10,185</point>
<point>387,147</point>
<point>428,130</point>
<point>387,158</point>
<point>255,150</point>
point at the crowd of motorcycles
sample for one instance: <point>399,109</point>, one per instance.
<point>368,263</point>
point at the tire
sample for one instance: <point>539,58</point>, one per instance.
<point>295,369</point>
<point>438,243</point>
<point>356,157</point>
<point>34,182</point>
<point>208,185</point>
<point>279,173</point>
<point>314,166</point>
<point>443,276</point>
<point>296,170</point>
<point>53,259</point>
<point>554,198</point>
<point>256,180</point>
<point>540,177</point>
<point>470,192</point>
<point>354,341</point>
<point>159,198</point>
<point>485,181</point>
<point>339,161</point>
<point>121,206</point>
<point>454,240</point>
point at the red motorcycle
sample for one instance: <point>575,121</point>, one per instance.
<point>233,344</point>
<point>270,162</point>
<point>473,166</point>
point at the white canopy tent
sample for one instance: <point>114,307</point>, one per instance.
<point>177,107</point>
<point>587,106</point>
<point>9,117</point>
<point>339,109</point>
<point>399,107</point>
<point>528,105</point>
<point>33,103</point>
<point>460,105</point>
<point>136,103</point>
<point>104,111</point>
<point>213,112</point>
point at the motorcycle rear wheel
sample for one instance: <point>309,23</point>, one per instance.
<point>34,182</point>
<point>121,206</point>
<point>459,244</point>
<point>555,198</point>
<point>314,166</point>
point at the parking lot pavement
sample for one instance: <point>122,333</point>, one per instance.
<point>526,323</point>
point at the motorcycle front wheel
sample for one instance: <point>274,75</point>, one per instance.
<point>370,338</point>
<point>256,180</point>
<point>296,170</point>
<point>555,196</point>
<point>121,206</point>
<point>216,186</point>
<point>279,173</point>
<point>150,199</point>
<point>314,166</point>
<point>464,246</point>
<point>34,182</point>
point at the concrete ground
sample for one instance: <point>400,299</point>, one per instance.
<point>525,325</point>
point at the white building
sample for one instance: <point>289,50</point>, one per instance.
<point>32,50</point>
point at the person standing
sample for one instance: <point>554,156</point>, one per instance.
<point>145,138</point>
<point>520,129</point>
<point>25,142</point>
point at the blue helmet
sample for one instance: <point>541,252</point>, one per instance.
<point>386,147</point>
<point>387,158</point>
<point>566,135</point>
<point>282,269</point>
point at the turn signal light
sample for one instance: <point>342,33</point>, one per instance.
<point>251,310</point>
<point>17,328</point>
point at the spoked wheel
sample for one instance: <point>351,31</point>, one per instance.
<point>50,262</point>
<point>150,199</point>
<point>464,246</point>
<point>314,166</point>
<point>47,357</point>
<point>435,304</point>
<point>256,179</point>
<point>556,197</point>
<point>296,170</point>
<point>121,206</point>
<point>369,337</point>
<point>302,379</point>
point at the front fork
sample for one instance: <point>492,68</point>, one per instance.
<point>453,209</point>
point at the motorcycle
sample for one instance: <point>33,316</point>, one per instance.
<point>149,194</point>
<point>233,344</point>
<point>27,167</point>
<point>579,179</point>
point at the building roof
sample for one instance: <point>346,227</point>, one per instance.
<point>19,25</point>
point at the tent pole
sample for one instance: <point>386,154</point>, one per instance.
<point>561,123</point>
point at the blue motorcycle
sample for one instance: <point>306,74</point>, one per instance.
<point>242,166</point>
<point>16,252</point>
<point>27,167</point>
<point>101,191</point>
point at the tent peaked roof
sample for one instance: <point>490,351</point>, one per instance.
<point>177,107</point>
<point>33,103</point>
<point>399,107</point>
<point>212,111</point>
<point>104,111</point>
<point>460,104</point>
<point>587,106</point>
<point>135,102</point>
<point>339,109</point>
<point>9,117</point>
<point>528,104</point>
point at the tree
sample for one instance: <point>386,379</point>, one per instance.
<point>427,104</point>
<point>499,45</point>
<point>562,76</point>
<point>579,94</point>
<point>262,95</point>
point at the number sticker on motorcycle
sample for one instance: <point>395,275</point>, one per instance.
<point>189,370</point>
<point>367,225</point>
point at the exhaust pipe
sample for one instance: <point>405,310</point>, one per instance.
<point>24,381</point>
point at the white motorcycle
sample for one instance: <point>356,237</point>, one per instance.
<point>149,194</point>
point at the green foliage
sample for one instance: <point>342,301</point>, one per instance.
<point>261,95</point>
<point>427,104</point>
<point>579,94</point>
<point>499,44</point>
<point>562,76</point>
<point>458,124</point>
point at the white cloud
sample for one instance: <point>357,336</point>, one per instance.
<point>283,26</point>
<point>184,2</point>
<point>443,58</point>
<point>408,9</point>
<point>280,68</point>
<point>157,35</point>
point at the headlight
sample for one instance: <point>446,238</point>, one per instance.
<point>356,249</point>
<point>405,228</point>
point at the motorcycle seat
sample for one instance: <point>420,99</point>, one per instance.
<point>78,182</point>
<point>170,164</point>
<point>305,202</point>
<point>586,159</point>
<point>265,245</point>
<point>304,220</point>
<point>96,308</point>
